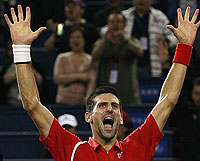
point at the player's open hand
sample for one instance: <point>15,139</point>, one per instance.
<point>186,31</point>
<point>20,30</point>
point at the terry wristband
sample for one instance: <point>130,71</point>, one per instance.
<point>21,53</point>
<point>183,54</point>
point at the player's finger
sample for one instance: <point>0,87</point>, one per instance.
<point>198,24</point>
<point>171,28</point>
<point>20,13</point>
<point>14,17</point>
<point>7,20</point>
<point>195,16</point>
<point>39,31</point>
<point>180,17</point>
<point>187,13</point>
<point>28,14</point>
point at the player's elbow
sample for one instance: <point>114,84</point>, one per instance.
<point>31,104</point>
<point>172,101</point>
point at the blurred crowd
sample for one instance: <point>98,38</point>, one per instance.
<point>121,43</point>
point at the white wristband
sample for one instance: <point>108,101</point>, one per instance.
<point>21,53</point>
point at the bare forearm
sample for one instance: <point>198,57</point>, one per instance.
<point>49,44</point>
<point>96,53</point>
<point>169,94</point>
<point>174,82</point>
<point>135,48</point>
<point>27,86</point>
<point>92,82</point>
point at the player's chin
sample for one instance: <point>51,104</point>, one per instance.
<point>109,134</point>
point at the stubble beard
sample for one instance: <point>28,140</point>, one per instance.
<point>105,135</point>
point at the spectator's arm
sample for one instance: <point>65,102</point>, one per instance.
<point>60,77</point>
<point>163,52</point>
<point>98,49</point>
<point>135,48</point>
<point>92,81</point>
<point>38,76</point>
<point>8,78</point>
<point>49,45</point>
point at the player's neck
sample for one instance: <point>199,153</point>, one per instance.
<point>107,144</point>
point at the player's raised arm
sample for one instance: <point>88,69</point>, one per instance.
<point>185,33</point>
<point>22,37</point>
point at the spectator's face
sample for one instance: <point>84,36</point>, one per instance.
<point>116,22</point>
<point>73,11</point>
<point>114,3</point>
<point>122,132</point>
<point>71,129</point>
<point>142,5</point>
<point>196,95</point>
<point>76,41</point>
<point>106,117</point>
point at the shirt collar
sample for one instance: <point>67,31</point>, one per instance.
<point>93,143</point>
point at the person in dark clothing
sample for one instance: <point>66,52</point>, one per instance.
<point>190,125</point>
<point>74,10</point>
<point>101,17</point>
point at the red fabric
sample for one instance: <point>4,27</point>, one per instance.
<point>139,146</point>
<point>183,54</point>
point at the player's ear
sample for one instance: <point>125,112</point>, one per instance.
<point>121,119</point>
<point>88,117</point>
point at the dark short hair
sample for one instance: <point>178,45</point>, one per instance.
<point>115,12</point>
<point>196,82</point>
<point>77,28</point>
<point>98,91</point>
<point>77,2</point>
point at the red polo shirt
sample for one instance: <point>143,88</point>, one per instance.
<point>138,146</point>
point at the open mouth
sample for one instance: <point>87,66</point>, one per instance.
<point>108,123</point>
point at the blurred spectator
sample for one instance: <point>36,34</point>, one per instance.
<point>185,101</point>
<point>147,24</point>
<point>161,5</point>
<point>44,13</point>
<point>5,5</point>
<point>175,4</point>
<point>126,128</point>
<point>74,10</point>
<point>2,87</point>
<point>190,125</point>
<point>68,122</point>
<point>73,71</point>
<point>166,55</point>
<point>10,81</point>
<point>102,15</point>
<point>117,57</point>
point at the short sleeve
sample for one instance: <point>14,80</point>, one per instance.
<point>147,135</point>
<point>59,140</point>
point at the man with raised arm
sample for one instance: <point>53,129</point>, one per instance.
<point>103,109</point>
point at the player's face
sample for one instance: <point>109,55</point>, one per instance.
<point>196,96</point>
<point>142,5</point>
<point>76,41</point>
<point>106,116</point>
